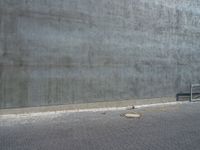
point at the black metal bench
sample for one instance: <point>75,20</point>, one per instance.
<point>192,96</point>
<point>187,96</point>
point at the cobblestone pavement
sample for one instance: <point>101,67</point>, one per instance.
<point>174,127</point>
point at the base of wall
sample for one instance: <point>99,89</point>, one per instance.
<point>96,105</point>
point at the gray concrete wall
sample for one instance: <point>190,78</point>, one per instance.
<point>79,51</point>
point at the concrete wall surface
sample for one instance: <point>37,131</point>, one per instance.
<point>79,51</point>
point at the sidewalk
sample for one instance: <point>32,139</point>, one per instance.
<point>173,127</point>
